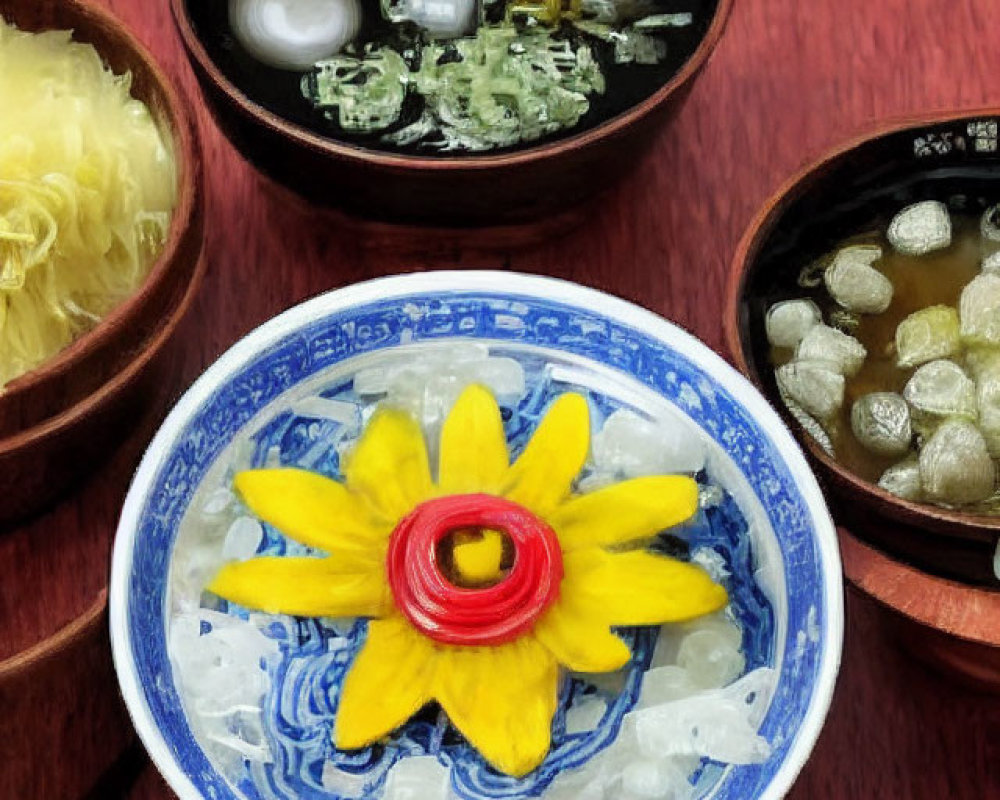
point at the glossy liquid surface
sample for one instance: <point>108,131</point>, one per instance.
<point>279,91</point>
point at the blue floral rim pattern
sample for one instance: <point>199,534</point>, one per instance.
<point>503,317</point>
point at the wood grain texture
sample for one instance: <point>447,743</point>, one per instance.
<point>86,722</point>
<point>950,626</point>
<point>789,80</point>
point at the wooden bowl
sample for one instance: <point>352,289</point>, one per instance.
<point>949,626</point>
<point>79,371</point>
<point>60,420</point>
<point>55,656</point>
<point>527,187</point>
<point>854,188</point>
<point>68,676</point>
<point>38,464</point>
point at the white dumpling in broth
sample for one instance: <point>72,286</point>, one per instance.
<point>443,19</point>
<point>294,34</point>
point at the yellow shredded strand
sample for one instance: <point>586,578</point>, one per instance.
<point>87,188</point>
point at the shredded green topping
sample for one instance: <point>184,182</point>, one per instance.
<point>528,76</point>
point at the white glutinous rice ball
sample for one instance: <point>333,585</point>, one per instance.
<point>294,34</point>
<point>443,19</point>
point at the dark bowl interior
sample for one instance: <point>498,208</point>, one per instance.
<point>517,187</point>
<point>860,188</point>
<point>278,90</point>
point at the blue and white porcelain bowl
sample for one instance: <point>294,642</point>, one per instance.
<point>232,704</point>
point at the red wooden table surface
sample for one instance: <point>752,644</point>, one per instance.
<point>790,79</point>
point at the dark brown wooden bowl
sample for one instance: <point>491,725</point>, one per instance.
<point>58,689</point>
<point>59,421</point>
<point>61,696</point>
<point>85,366</point>
<point>39,464</point>
<point>526,187</point>
<point>854,188</point>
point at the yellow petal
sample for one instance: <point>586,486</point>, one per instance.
<point>502,699</point>
<point>389,681</point>
<point>638,588</point>
<point>473,445</point>
<point>543,474</point>
<point>343,586</point>
<point>579,642</point>
<point>388,466</point>
<point>479,559</point>
<point>312,509</point>
<point>625,512</point>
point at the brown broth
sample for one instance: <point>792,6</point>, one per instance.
<point>919,282</point>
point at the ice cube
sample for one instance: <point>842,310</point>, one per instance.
<point>668,642</point>
<point>955,464</point>
<point>720,724</point>
<point>242,539</point>
<point>585,714</point>
<point>881,422</point>
<point>342,783</point>
<point>713,562</point>
<point>926,335</point>
<point>652,779</point>
<point>664,685</point>
<point>979,310</point>
<point>991,264</point>
<point>417,778</point>
<point>855,284</point>
<point>220,670</point>
<point>712,657</point>
<point>504,376</point>
<point>940,389</point>
<point>842,352</point>
<point>217,502</point>
<point>789,321</point>
<point>903,479</point>
<point>813,386</point>
<point>631,446</point>
<point>921,228</point>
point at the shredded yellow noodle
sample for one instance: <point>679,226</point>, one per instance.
<point>87,188</point>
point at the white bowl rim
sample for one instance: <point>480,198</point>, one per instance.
<point>277,328</point>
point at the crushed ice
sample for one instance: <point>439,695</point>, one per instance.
<point>218,659</point>
<point>693,703</point>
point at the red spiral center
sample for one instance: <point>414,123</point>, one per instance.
<point>458,615</point>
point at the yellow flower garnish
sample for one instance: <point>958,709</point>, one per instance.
<point>501,695</point>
